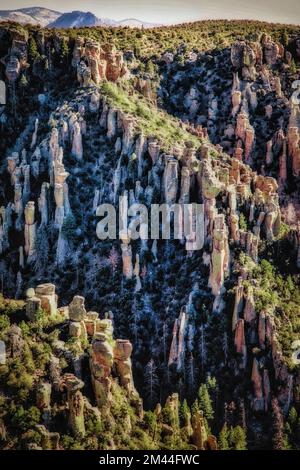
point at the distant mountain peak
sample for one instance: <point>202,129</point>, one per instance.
<point>73,19</point>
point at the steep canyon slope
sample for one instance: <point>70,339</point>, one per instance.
<point>193,349</point>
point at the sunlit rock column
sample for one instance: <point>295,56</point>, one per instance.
<point>101,361</point>
<point>30,230</point>
<point>170,179</point>
<point>239,341</point>
<point>77,149</point>
<point>122,353</point>
<point>219,256</point>
<point>258,401</point>
<point>34,135</point>
<point>76,404</point>
<point>44,203</point>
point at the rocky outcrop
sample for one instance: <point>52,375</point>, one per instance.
<point>30,231</point>
<point>101,362</point>
<point>293,141</point>
<point>271,50</point>
<point>127,260</point>
<point>244,57</point>
<point>170,179</point>
<point>96,63</point>
<point>177,349</point>
<point>200,438</point>
<point>220,255</point>
<point>122,352</point>
<point>77,149</point>
<point>75,404</point>
<point>15,343</point>
<point>15,61</point>
<point>245,132</point>
<point>42,297</point>
<point>258,402</point>
<point>240,342</point>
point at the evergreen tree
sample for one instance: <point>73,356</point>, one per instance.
<point>223,438</point>
<point>184,413</point>
<point>42,249</point>
<point>292,417</point>
<point>137,50</point>
<point>293,67</point>
<point>151,383</point>
<point>238,439</point>
<point>150,67</point>
<point>23,84</point>
<point>195,407</point>
<point>285,38</point>
<point>69,227</point>
<point>191,374</point>
<point>33,53</point>
<point>203,350</point>
<point>205,403</point>
<point>65,51</point>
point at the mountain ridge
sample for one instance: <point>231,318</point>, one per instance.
<point>54,19</point>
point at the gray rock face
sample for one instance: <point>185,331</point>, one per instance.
<point>77,311</point>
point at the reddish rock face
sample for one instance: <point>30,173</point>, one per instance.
<point>266,184</point>
<point>95,62</point>
<point>249,310</point>
<point>219,256</point>
<point>122,350</point>
<point>293,140</point>
<point>271,51</point>
<point>239,339</point>
<point>262,330</point>
<point>242,55</point>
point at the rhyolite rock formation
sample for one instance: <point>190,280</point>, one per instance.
<point>145,321</point>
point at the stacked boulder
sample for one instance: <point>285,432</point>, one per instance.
<point>95,62</point>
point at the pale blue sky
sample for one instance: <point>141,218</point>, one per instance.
<point>174,11</point>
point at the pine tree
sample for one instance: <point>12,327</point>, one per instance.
<point>223,439</point>
<point>225,347</point>
<point>292,417</point>
<point>203,350</point>
<point>151,383</point>
<point>293,67</point>
<point>65,50</point>
<point>32,50</point>
<point>238,439</point>
<point>150,67</point>
<point>23,84</point>
<point>69,227</point>
<point>195,407</point>
<point>285,38</point>
<point>184,413</point>
<point>191,374</point>
<point>213,390</point>
<point>42,249</point>
<point>137,50</point>
<point>205,403</point>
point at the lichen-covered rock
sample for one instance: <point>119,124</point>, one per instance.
<point>77,311</point>
<point>75,399</point>
<point>122,352</point>
<point>101,362</point>
<point>96,63</point>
